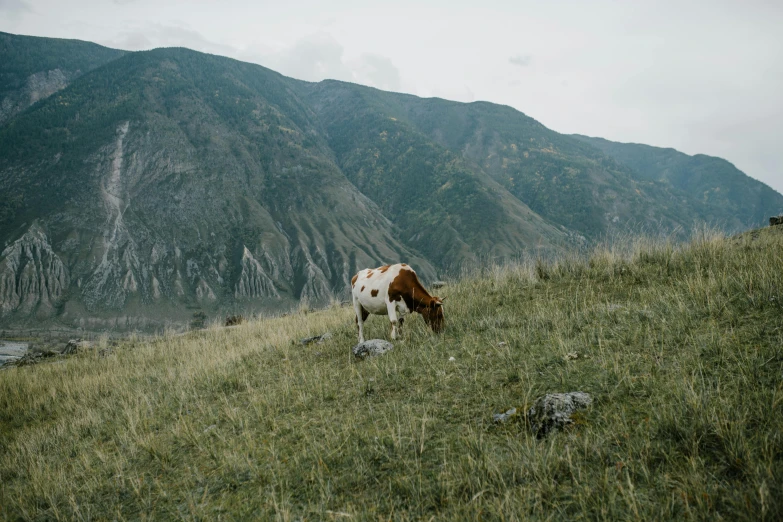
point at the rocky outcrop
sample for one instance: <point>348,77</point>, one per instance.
<point>554,410</point>
<point>33,279</point>
<point>316,274</point>
<point>38,86</point>
<point>253,280</point>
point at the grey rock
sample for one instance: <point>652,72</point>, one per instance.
<point>32,358</point>
<point>372,348</point>
<point>75,346</point>
<point>438,284</point>
<point>254,282</point>
<point>553,411</point>
<point>776,220</point>
<point>317,339</point>
<point>503,417</point>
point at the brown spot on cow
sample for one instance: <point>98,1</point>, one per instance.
<point>362,289</point>
<point>353,280</point>
<point>369,274</point>
<point>374,292</point>
<point>384,268</point>
<point>406,287</point>
<point>403,264</point>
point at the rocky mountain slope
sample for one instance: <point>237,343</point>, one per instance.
<point>158,184</point>
<point>560,178</point>
<point>728,197</point>
<point>170,181</point>
<point>445,207</point>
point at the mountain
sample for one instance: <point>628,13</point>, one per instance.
<point>170,181</point>
<point>446,208</point>
<point>729,197</point>
<point>159,184</point>
<point>33,68</point>
<point>560,178</point>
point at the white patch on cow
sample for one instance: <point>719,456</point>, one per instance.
<point>371,279</point>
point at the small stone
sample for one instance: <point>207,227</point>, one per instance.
<point>553,411</point>
<point>438,284</point>
<point>501,344</point>
<point>372,348</point>
<point>570,356</point>
<point>75,346</point>
<point>503,417</point>
<point>452,359</point>
<point>318,339</point>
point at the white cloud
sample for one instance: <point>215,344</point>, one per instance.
<point>377,71</point>
<point>521,60</point>
<point>320,56</point>
<point>313,58</point>
<point>157,35</point>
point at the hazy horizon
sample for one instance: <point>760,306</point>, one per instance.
<point>699,77</point>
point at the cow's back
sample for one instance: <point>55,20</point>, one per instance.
<point>370,287</point>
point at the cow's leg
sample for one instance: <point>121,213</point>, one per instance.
<point>361,315</point>
<point>391,309</point>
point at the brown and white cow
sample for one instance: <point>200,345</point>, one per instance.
<point>393,290</point>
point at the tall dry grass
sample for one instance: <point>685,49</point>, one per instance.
<point>680,345</point>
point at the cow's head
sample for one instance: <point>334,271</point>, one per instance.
<point>433,314</point>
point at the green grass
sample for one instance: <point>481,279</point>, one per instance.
<point>681,348</point>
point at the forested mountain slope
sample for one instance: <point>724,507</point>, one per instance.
<point>729,197</point>
<point>32,68</point>
<point>560,178</point>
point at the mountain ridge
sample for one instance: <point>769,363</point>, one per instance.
<point>716,182</point>
<point>172,181</point>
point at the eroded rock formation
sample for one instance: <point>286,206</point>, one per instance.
<point>33,279</point>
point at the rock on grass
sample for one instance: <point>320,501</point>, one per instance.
<point>372,348</point>
<point>553,411</point>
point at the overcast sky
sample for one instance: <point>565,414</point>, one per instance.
<point>699,76</point>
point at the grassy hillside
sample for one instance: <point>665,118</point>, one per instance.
<point>681,348</point>
<point>727,196</point>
